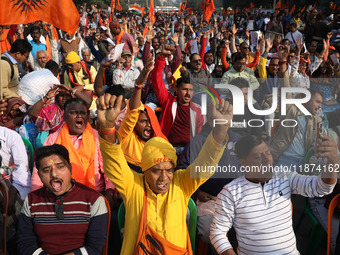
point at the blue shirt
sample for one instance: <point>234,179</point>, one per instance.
<point>36,47</point>
<point>14,62</point>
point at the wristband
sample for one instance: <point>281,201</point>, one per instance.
<point>107,132</point>
<point>138,87</point>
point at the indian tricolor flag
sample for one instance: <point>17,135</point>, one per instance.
<point>137,9</point>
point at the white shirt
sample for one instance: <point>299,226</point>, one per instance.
<point>296,35</point>
<point>35,85</point>
<point>261,215</point>
<point>126,78</point>
<point>13,150</point>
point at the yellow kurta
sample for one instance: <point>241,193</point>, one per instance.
<point>86,82</point>
<point>132,146</point>
<point>166,213</point>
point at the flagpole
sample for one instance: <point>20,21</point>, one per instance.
<point>274,5</point>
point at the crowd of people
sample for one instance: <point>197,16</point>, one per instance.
<point>134,113</point>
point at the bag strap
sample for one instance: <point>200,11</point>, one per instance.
<point>10,64</point>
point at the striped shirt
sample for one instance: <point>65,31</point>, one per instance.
<point>261,214</point>
<point>82,230</point>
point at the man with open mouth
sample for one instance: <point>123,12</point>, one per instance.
<point>140,123</point>
<point>81,140</point>
<point>156,201</point>
<point>64,216</point>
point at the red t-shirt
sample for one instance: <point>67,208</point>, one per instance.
<point>180,131</point>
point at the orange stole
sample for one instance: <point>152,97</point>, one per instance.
<point>119,37</point>
<point>82,160</point>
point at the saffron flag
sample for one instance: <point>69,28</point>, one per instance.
<point>278,5</point>
<point>190,10</point>
<point>182,7</point>
<point>202,4</point>
<point>152,12</point>
<point>113,5</point>
<point>63,14</point>
<point>292,10</point>
<point>303,8</point>
<point>286,6</point>
<point>119,7</point>
<point>209,9</point>
<point>251,5</point>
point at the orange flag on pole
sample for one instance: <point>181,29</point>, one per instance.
<point>182,7</point>
<point>202,4</point>
<point>63,14</point>
<point>190,10</point>
<point>113,5</point>
<point>286,5</point>
<point>119,7</point>
<point>251,5</point>
<point>292,10</point>
<point>303,8</point>
<point>278,5</point>
<point>209,9</point>
<point>152,12</point>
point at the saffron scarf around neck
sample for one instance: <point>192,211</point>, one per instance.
<point>154,123</point>
<point>86,72</point>
<point>82,160</point>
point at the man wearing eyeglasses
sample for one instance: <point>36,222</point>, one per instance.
<point>19,52</point>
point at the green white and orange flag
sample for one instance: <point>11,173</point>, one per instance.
<point>62,14</point>
<point>136,9</point>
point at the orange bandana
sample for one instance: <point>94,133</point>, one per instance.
<point>82,160</point>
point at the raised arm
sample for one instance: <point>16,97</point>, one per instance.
<point>99,81</point>
<point>156,76</point>
<point>135,99</point>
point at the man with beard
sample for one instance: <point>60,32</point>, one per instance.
<point>155,45</point>
<point>82,143</point>
<point>258,204</point>
<point>140,123</point>
<point>64,216</point>
<point>181,118</point>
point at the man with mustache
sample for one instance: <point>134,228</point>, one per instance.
<point>181,118</point>
<point>258,204</point>
<point>156,201</point>
<point>64,216</point>
<point>140,122</point>
<point>82,142</point>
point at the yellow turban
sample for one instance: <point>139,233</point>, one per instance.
<point>157,150</point>
<point>72,58</point>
